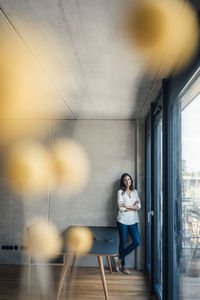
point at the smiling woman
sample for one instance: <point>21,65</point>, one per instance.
<point>127,219</point>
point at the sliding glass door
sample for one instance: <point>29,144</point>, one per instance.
<point>158,199</point>
<point>190,258</point>
<point>154,197</point>
<point>148,194</point>
<point>186,172</point>
<point>173,191</point>
<point>183,266</point>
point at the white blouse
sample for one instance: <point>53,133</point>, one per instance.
<point>127,217</point>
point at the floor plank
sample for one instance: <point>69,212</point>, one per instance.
<point>85,283</point>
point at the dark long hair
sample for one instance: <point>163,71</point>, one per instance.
<point>122,185</point>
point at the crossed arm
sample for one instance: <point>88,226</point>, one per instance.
<point>123,207</point>
<point>128,208</point>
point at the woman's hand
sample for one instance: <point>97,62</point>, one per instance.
<point>123,204</point>
<point>135,207</point>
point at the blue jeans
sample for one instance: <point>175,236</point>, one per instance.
<point>133,231</point>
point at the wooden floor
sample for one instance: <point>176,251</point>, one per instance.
<point>84,284</point>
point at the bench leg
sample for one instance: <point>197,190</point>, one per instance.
<point>109,264</point>
<point>29,273</point>
<point>64,271</point>
<point>103,278</point>
<point>73,263</point>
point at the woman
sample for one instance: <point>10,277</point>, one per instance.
<point>127,219</point>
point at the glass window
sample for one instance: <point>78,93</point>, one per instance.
<point>190,258</point>
<point>184,190</point>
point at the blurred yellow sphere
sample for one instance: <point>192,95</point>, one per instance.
<point>79,239</point>
<point>42,239</point>
<point>165,33</point>
<point>28,167</point>
<point>22,93</point>
<point>71,165</point>
<point>26,91</point>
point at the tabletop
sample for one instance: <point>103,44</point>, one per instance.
<point>105,242</point>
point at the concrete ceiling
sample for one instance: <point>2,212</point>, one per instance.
<point>82,57</point>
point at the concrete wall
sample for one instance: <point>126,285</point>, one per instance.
<point>111,146</point>
<point>16,212</point>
